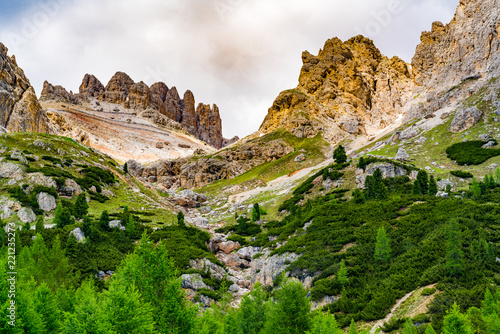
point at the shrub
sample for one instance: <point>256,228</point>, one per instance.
<point>462,174</point>
<point>471,152</point>
<point>428,291</point>
<point>237,238</point>
<point>98,197</point>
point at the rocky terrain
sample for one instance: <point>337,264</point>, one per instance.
<point>19,107</point>
<point>348,89</point>
<point>201,121</point>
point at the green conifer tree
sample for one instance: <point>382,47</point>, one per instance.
<point>255,212</point>
<point>130,226</point>
<point>455,322</point>
<point>81,206</point>
<point>382,246</point>
<point>358,197</point>
<point>433,188</point>
<point>342,273</point>
<point>71,247</point>
<point>87,227</point>
<point>125,168</point>
<point>104,221</point>
<point>352,328</point>
<point>429,329</point>
<point>339,155</point>
<point>409,328</point>
<point>180,219</point>
<point>454,254</point>
<point>39,226</point>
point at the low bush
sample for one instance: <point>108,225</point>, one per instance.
<point>462,174</point>
<point>471,152</point>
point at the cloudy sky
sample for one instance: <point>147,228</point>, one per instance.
<point>238,54</point>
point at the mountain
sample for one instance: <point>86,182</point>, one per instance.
<point>348,89</point>
<point>202,121</point>
<point>19,107</point>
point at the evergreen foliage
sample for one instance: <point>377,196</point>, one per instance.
<point>81,207</point>
<point>180,219</point>
<point>339,155</point>
<point>382,246</point>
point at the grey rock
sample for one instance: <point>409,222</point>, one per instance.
<point>489,144</point>
<point>11,170</point>
<point>402,155</point>
<point>78,233</point>
<point>465,118</point>
<point>247,253</point>
<point>484,137</point>
<point>40,179</point>
<point>17,155</point>
<point>442,184</point>
<point>206,301</point>
<point>46,202</point>
<point>201,222</point>
<point>11,182</point>
<point>409,133</point>
<point>205,209</point>
<point>26,215</point>
<point>270,267</point>
<point>234,288</point>
<point>107,193</point>
<point>215,270</point>
<point>193,282</point>
<point>421,140</point>
<point>442,194</point>
<point>300,157</point>
<point>116,224</point>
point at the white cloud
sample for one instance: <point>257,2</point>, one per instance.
<point>238,54</point>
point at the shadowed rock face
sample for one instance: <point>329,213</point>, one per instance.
<point>91,87</point>
<point>19,107</point>
<point>349,88</point>
<point>57,93</point>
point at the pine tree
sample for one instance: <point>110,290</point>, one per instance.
<point>369,190</point>
<point>255,212</point>
<point>380,188</point>
<point>409,328</point>
<point>429,329</point>
<point>454,254</point>
<point>339,155</point>
<point>180,219</point>
<point>324,323</point>
<point>290,313</point>
<point>81,206</point>
<point>475,189</point>
<point>39,226</point>
<point>352,328</point>
<point>125,168</point>
<point>57,214</point>
<point>46,305</point>
<point>104,221</point>
<point>382,246</point>
<point>342,273</point>
<point>433,188</point>
<point>87,227</point>
<point>455,322</point>
<point>126,311</point>
<point>153,274</point>
<point>71,246</point>
<point>130,226</point>
<point>251,315</point>
<point>421,184</point>
<point>358,197</point>
<point>64,218</point>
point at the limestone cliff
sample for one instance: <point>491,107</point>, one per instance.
<point>19,107</point>
<point>349,88</point>
<point>456,60</point>
<point>202,122</point>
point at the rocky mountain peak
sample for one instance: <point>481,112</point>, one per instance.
<point>118,88</point>
<point>91,87</point>
<point>19,107</point>
<point>349,88</point>
<point>57,93</point>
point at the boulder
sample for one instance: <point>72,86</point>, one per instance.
<point>402,155</point>
<point>234,288</point>
<point>247,253</point>
<point>201,222</point>
<point>203,264</point>
<point>465,118</point>
<point>269,268</point>
<point>116,224</point>
<point>26,215</point>
<point>10,170</point>
<point>78,233</point>
<point>409,133</point>
<point>229,246</point>
<point>46,202</point>
<point>442,184</point>
<point>489,144</point>
<point>300,157</point>
<point>193,282</point>
<point>17,155</point>
<point>205,209</point>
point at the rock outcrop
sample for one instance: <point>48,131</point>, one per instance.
<point>202,122</point>
<point>455,60</point>
<point>57,93</point>
<point>349,88</point>
<point>19,107</point>
<point>180,173</point>
<point>91,87</point>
